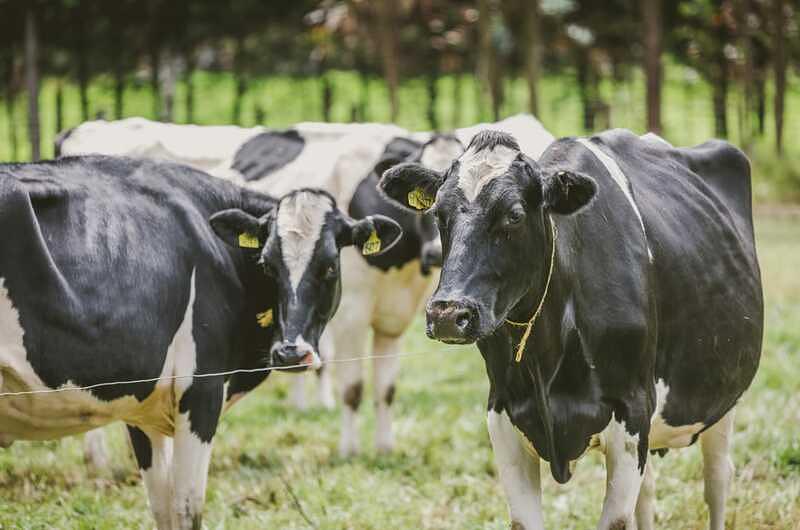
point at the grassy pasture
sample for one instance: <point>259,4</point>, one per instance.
<point>442,474</point>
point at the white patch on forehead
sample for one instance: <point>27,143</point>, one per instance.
<point>440,153</point>
<point>300,220</point>
<point>478,167</point>
<point>621,180</point>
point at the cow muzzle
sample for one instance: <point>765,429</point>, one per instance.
<point>452,321</point>
<point>294,357</point>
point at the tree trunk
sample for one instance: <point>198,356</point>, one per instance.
<point>433,98</point>
<point>363,105</point>
<point>387,30</point>
<point>32,82</point>
<point>59,107</point>
<point>720,103</point>
<point>531,51</point>
<point>155,85</point>
<point>241,82</point>
<point>779,60</point>
<point>82,60</point>
<point>168,81</point>
<point>761,104</point>
<point>652,62</point>
<point>489,68</point>
<point>327,98</point>
<point>119,90</point>
<point>188,80</point>
<point>458,99</point>
<point>11,99</point>
<point>585,89</point>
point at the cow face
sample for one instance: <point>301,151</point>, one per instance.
<point>298,244</point>
<point>491,206</point>
<point>436,154</point>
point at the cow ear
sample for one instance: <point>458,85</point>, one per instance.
<point>411,185</point>
<point>387,162</point>
<point>240,229</point>
<point>375,234</point>
<point>566,192</point>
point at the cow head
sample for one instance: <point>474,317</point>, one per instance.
<point>491,206</point>
<point>436,154</point>
<point>298,246</point>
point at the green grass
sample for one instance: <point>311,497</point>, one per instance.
<point>442,474</point>
<point>287,100</point>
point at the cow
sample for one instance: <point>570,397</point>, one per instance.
<point>381,294</point>
<point>614,292</point>
<point>131,289</point>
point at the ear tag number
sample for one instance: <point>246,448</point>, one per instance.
<point>372,245</point>
<point>248,240</point>
<point>264,319</point>
<point>419,199</point>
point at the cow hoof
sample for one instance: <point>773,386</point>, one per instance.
<point>516,525</point>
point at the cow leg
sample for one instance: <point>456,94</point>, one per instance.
<point>154,457</point>
<point>717,468</point>
<point>94,452</point>
<point>645,506</point>
<point>623,478</point>
<point>324,377</point>
<point>351,387</point>
<point>519,473</point>
<point>195,426</point>
<point>384,372</point>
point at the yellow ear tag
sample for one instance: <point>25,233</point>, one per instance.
<point>248,240</point>
<point>419,199</point>
<point>372,245</point>
<point>264,319</point>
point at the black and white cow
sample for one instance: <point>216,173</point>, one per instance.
<point>110,270</point>
<point>614,292</point>
<point>381,295</point>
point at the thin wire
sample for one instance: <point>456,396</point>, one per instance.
<point>212,374</point>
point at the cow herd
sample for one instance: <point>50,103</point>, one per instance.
<point>155,273</point>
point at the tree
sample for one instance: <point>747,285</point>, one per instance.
<point>779,51</point>
<point>652,62</point>
<point>387,34</point>
<point>32,80</point>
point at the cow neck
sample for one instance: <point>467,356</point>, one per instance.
<point>534,366</point>
<point>532,320</point>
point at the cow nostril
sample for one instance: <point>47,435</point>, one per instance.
<point>462,320</point>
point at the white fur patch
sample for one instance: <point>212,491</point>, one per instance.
<point>623,478</point>
<point>621,180</point>
<point>519,471</point>
<point>478,167</point>
<point>300,221</point>
<point>440,153</point>
<point>663,435</point>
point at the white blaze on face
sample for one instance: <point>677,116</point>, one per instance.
<point>440,153</point>
<point>478,167</point>
<point>300,220</point>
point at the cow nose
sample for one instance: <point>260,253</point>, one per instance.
<point>451,321</point>
<point>290,354</point>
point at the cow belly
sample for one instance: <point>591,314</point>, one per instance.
<point>663,435</point>
<point>398,298</point>
<point>54,415</point>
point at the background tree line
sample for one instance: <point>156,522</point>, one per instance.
<point>746,47</point>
